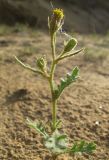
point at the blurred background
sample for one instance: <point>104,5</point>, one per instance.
<point>82,16</point>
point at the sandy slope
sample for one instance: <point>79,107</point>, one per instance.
<point>84,108</point>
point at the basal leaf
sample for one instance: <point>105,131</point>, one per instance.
<point>58,124</point>
<point>56,143</point>
<point>83,147</point>
<point>38,126</point>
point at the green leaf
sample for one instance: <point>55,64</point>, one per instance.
<point>38,126</point>
<point>66,82</point>
<point>71,44</point>
<point>56,143</point>
<point>83,147</point>
<point>61,137</point>
<point>58,124</point>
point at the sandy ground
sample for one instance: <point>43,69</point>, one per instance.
<point>84,107</point>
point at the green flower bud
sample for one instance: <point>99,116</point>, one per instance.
<point>71,44</point>
<point>41,63</point>
<point>56,20</point>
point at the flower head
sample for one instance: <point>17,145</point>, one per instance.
<point>56,20</point>
<point>58,14</point>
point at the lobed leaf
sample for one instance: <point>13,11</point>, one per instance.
<point>83,147</point>
<point>38,126</point>
<point>58,124</point>
<point>66,82</point>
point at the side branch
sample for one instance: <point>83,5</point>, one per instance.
<point>28,66</point>
<point>69,55</point>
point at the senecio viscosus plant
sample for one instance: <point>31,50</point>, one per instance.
<point>56,142</point>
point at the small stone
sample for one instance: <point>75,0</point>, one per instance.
<point>100,107</point>
<point>97,123</point>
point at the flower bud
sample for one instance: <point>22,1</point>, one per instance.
<point>41,63</point>
<point>56,20</point>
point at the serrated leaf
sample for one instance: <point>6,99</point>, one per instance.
<point>83,147</point>
<point>38,126</point>
<point>70,78</point>
<point>70,45</point>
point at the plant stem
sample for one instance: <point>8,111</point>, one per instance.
<point>53,43</point>
<point>54,118</point>
<point>53,100</point>
<point>69,55</point>
<point>51,80</point>
<point>28,67</point>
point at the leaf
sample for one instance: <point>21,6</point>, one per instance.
<point>56,143</point>
<point>58,124</point>
<point>66,82</point>
<point>38,126</point>
<point>71,44</point>
<point>83,147</point>
<point>61,137</point>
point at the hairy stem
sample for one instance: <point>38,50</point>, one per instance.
<point>51,80</point>
<point>53,43</point>
<point>54,118</point>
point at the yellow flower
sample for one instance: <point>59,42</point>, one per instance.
<point>56,20</point>
<point>58,14</point>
